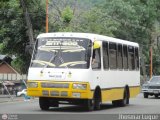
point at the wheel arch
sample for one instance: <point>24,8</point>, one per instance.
<point>97,93</point>
<point>126,88</point>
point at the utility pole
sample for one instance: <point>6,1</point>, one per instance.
<point>151,63</point>
<point>155,32</point>
<point>153,39</point>
<point>46,16</point>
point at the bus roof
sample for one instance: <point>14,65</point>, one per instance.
<point>88,36</point>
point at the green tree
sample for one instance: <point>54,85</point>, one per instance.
<point>13,32</point>
<point>137,19</point>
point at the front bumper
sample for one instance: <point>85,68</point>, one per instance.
<point>57,90</point>
<point>151,91</point>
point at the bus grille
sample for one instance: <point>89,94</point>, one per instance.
<point>54,85</point>
<point>63,93</point>
<point>45,92</point>
<point>54,93</point>
<point>57,93</point>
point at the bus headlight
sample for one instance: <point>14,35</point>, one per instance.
<point>32,85</point>
<point>79,86</point>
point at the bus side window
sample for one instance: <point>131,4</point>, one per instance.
<point>112,55</point>
<point>131,62</point>
<point>125,57</point>
<point>120,57</point>
<point>105,56</point>
<point>136,59</point>
<point>96,59</point>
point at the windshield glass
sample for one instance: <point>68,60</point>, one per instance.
<point>61,52</point>
<point>155,80</point>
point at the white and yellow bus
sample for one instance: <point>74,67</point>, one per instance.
<point>83,69</point>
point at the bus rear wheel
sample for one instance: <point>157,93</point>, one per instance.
<point>97,103</point>
<point>44,103</point>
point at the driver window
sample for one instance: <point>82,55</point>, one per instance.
<point>96,59</point>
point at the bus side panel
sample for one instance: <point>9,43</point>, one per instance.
<point>117,93</point>
<point>134,91</point>
<point>112,94</point>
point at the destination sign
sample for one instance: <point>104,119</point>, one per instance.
<point>61,43</point>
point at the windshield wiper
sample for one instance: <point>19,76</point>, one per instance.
<point>52,58</point>
<point>57,53</point>
<point>60,58</point>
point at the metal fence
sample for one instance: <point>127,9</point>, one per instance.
<point>13,77</point>
<point>11,83</point>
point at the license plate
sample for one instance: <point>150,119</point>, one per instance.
<point>57,76</point>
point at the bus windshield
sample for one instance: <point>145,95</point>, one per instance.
<point>62,53</point>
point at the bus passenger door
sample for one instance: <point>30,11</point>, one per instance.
<point>96,62</point>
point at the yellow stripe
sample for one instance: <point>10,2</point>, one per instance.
<point>112,94</point>
<point>134,91</point>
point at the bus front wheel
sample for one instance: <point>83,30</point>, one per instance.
<point>90,105</point>
<point>97,102</point>
<point>44,103</point>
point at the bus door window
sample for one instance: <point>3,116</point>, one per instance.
<point>96,59</point>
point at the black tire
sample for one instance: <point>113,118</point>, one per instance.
<point>125,99</point>
<point>115,103</point>
<point>145,95</point>
<point>156,96</point>
<point>54,104</point>
<point>90,105</point>
<point>97,104</point>
<point>44,103</point>
<point>97,99</point>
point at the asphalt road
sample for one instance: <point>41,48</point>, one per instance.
<point>137,105</point>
